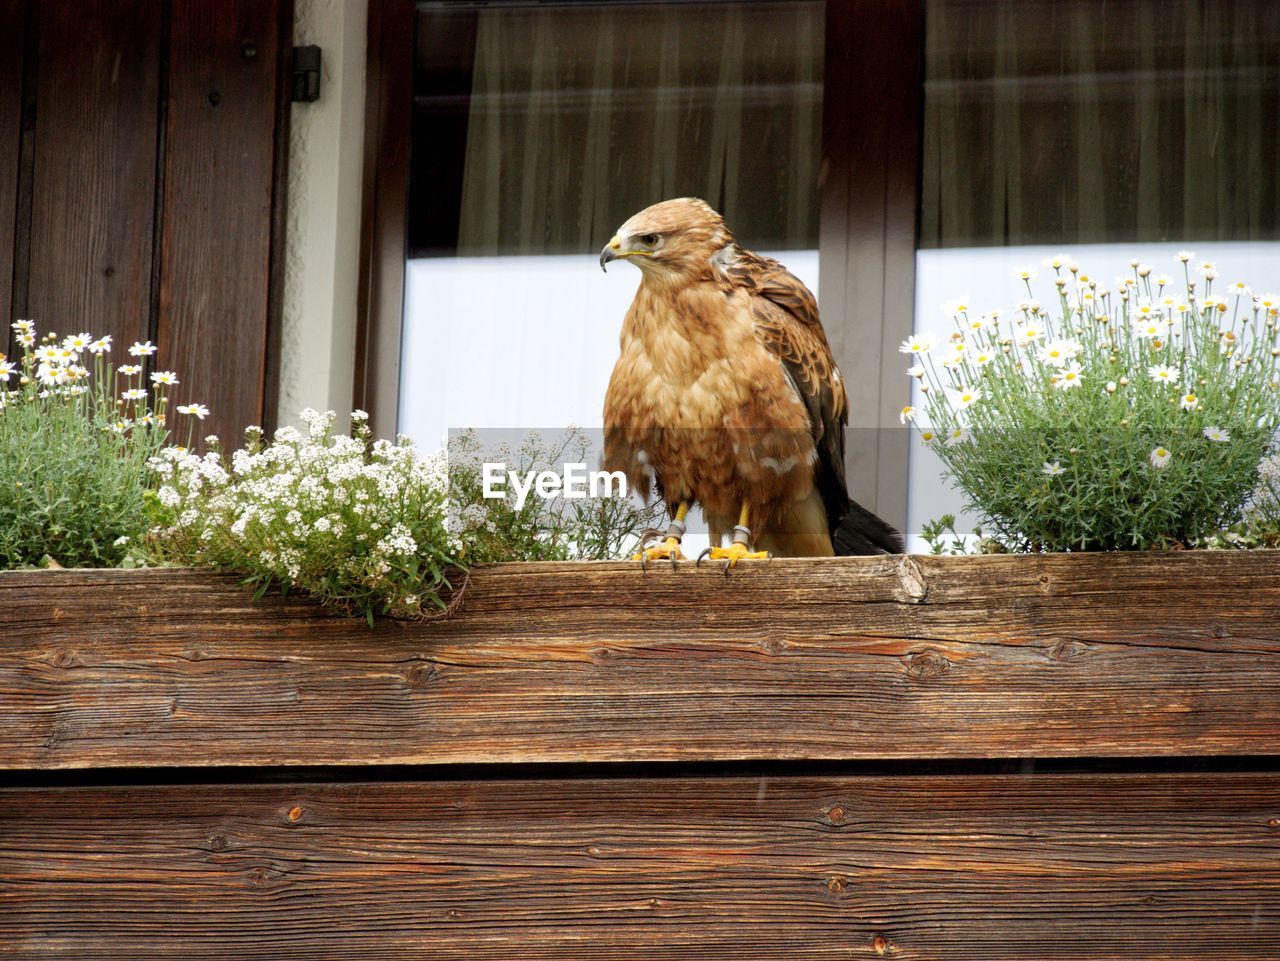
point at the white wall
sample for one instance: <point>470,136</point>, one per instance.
<point>322,240</point>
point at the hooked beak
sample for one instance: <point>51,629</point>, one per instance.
<point>612,251</point>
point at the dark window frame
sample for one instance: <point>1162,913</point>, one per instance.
<point>868,226</point>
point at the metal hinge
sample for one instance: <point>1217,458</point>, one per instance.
<point>306,74</point>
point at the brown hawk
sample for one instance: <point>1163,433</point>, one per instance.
<point>725,394</point>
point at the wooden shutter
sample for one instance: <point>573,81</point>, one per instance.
<point>141,174</point>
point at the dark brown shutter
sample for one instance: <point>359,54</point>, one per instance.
<point>141,159</point>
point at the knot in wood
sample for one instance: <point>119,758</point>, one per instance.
<point>911,579</point>
<point>835,885</point>
<point>836,815</point>
<point>295,813</point>
<point>1067,649</point>
<point>217,843</point>
<point>879,944</point>
<point>419,674</point>
<point>926,664</point>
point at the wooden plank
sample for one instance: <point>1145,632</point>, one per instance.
<point>955,868</point>
<point>1057,656</point>
<point>92,209</point>
<point>220,148</point>
<point>11,43</point>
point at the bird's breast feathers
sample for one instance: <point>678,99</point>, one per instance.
<point>692,358</point>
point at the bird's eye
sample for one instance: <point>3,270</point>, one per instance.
<point>649,240</point>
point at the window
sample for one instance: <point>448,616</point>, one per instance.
<point>536,132</point>
<point>1109,130</point>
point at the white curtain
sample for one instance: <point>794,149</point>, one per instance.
<point>1094,121</point>
<point>582,115</point>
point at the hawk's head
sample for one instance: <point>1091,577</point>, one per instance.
<point>673,237</point>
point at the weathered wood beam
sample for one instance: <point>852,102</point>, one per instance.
<point>958,868</point>
<point>1055,656</point>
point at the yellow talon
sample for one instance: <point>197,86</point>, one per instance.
<point>669,549</point>
<point>732,554</point>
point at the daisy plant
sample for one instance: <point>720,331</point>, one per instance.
<point>76,432</point>
<point>1103,418</point>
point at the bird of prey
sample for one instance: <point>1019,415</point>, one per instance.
<point>725,394</point>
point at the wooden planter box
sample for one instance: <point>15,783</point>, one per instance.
<point>1068,756</point>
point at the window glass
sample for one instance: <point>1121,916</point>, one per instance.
<point>536,132</point>
<point>1107,130</point>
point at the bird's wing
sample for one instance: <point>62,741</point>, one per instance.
<point>785,313</point>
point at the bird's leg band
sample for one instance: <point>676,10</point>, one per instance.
<point>741,532</point>
<point>669,549</point>
<point>741,546</point>
<point>676,530</point>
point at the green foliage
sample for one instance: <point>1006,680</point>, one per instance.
<point>359,524</point>
<point>559,528</point>
<point>73,477</point>
<point>1125,420</point>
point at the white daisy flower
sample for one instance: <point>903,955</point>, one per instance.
<point>1268,302</point>
<point>165,377</point>
<point>1217,434</point>
<point>1163,374</point>
<point>77,342</point>
<point>907,413</point>
<point>129,370</point>
<point>101,345</point>
<point>1163,280</point>
<point>1025,273</point>
<point>1057,353</point>
<point>1185,255</point>
<point>134,393</point>
<point>196,410</point>
<point>1058,261</point>
<point>1029,333</point>
<point>1240,289</point>
<point>957,436</point>
<point>1190,401</point>
<point>1052,469</point>
<point>1207,266</point>
<point>928,436</point>
<point>958,306</point>
<point>916,344</point>
<point>1068,377</point>
<point>1159,457</point>
<point>915,370</point>
<point>962,398</point>
<point>981,358</point>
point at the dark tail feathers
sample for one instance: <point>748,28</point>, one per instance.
<point>862,532</point>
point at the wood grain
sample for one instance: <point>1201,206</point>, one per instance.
<point>93,190</point>
<point>947,868</point>
<point>1087,655</point>
<point>221,139</point>
<point>12,33</point>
